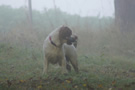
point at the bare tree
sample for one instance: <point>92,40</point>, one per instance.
<point>125,14</point>
<point>30,11</point>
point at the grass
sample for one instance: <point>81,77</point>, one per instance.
<point>21,68</point>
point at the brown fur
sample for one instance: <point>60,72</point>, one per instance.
<point>76,40</point>
<point>64,32</point>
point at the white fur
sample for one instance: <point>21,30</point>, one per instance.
<point>53,54</point>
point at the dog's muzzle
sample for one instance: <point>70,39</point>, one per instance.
<point>70,40</point>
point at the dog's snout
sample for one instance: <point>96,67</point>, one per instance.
<point>71,39</point>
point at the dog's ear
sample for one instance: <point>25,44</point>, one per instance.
<point>65,32</point>
<point>76,40</point>
<point>75,37</point>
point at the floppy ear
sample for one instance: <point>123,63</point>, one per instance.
<point>64,32</point>
<point>75,37</point>
<point>76,40</point>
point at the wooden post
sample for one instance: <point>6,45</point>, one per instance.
<point>30,11</point>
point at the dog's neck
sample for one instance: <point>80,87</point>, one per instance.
<point>50,38</point>
<point>54,39</point>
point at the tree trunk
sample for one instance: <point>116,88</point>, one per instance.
<point>125,14</point>
<point>30,12</point>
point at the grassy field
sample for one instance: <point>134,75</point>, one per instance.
<point>21,69</point>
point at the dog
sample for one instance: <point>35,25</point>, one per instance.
<point>71,54</point>
<point>59,48</point>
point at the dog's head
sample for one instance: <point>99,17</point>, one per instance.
<point>65,35</point>
<point>75,40</point>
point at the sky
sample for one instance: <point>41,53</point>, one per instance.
<point>82,7</point>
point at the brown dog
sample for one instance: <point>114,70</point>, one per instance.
<point>58,48</point>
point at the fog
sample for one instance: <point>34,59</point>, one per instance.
<point>105,53</point>
<point>81,7</point>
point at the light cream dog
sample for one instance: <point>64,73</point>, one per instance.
<point>71,54</point>
<point>58,48</point>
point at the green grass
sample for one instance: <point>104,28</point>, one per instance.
<point>21,69</point>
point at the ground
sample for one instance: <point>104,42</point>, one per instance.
<point>22,70</point>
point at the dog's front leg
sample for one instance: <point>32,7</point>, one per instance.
<point>46,64</point>
<point>74,63</point>
<point>64,65</point>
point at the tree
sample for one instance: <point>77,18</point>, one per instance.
<point>30,11</point>
<point>125,15</point>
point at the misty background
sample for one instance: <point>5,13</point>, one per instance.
<point>105,30</point>
<point>93,22</point>
<point>80,7</point>
<point>83,17</point>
